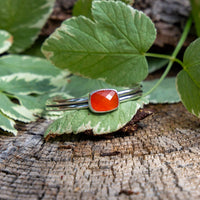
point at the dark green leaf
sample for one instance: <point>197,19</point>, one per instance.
<point>188,81</point>
<point>196,14</point>
<point>35,50</point>
<point>156,64</point>
<point>83,7</point>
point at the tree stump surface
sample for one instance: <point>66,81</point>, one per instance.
<point>161,160</point>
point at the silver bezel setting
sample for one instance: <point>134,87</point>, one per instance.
<point>89,101</point>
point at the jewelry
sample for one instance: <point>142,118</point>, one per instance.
<point>99,101</point>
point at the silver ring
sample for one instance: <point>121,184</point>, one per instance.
<point>98,101</point>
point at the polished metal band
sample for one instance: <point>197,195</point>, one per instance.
<point>81,103</point>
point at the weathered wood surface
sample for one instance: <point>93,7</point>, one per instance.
<point>161,160</point>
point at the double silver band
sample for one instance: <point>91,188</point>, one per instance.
<point>82,103</point>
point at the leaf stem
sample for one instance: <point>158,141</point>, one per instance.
<point>173,56</point>
<point>164,56</point>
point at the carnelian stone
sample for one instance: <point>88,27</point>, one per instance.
<point>104,100</point>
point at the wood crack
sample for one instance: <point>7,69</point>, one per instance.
<point>153,161</point>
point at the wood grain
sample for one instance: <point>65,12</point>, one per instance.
<point>161,160</point>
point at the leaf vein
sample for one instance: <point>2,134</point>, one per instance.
<point>99,42</point>
<point>122,33</point>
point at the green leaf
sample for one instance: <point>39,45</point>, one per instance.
<point>78,121</point>
<point>196,14</point>
<point>156,64</point>
<point>110,48</point>
<point>164,93</point>
<point>189,93</point>
<point>7,124</point>
<point>35,49</point>
<point>79,86</point>
<point>188,81</point>
<point>83,7</point>
<point>6,41</point>
<point>24,19</point>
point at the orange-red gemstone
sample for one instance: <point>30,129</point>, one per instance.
<point>104,100</point>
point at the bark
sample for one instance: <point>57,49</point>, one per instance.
<point>158,161</point>
<point>169,17</point>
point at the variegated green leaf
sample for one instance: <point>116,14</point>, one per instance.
<point>14,111</point>
<point>35,104</point>
<point>25,85</point>
<point>7,124</point>
<point>78,121</point>
<point>110,48</point>
<point>40,67</point>
<point>26,75</point>
<point>6,41</point>
<point>55,114</point>
<point>24,19</point>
